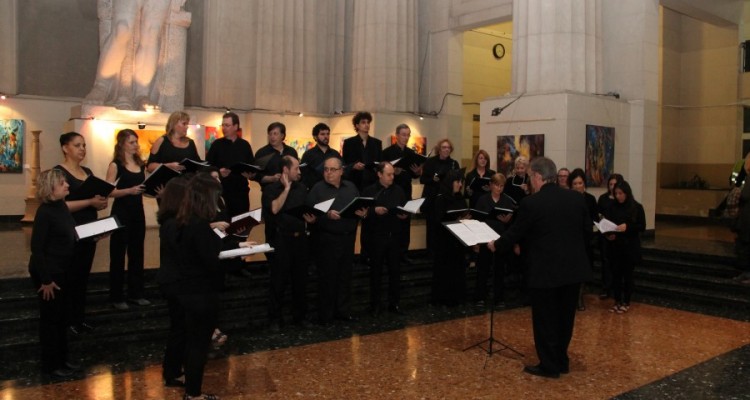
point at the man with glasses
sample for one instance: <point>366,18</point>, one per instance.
<point>562,178</point>
<point>335,235</point>
<point>553,226</point>
<point>226,152</point>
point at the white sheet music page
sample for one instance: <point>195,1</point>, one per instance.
<point>412,206</point>
<point>325,205</point>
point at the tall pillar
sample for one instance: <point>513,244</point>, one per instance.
<point>31,202</point>
<point>384,55</point>
<point>556,46</point>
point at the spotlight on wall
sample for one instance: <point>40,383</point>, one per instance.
<point>3,96</point>
<point>228,110</point>
<point>141,125</point>
<point>421,117</point>
<point>301,114</point>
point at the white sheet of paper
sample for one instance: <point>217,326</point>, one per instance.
<point>245,251</point>
<point>412,206</point>
<point>96,228</point>
<point>325,205</point>
<point>605,226</point>
<point>473,232</point>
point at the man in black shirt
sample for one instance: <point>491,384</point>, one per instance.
<point>271,155</point>
<point>337,235</point>
<point>383,226</point>
<point>313,158</point>
<point>360,152</point>
<point>223,154</point>
<point>403,178</point>
<point>290,242</point>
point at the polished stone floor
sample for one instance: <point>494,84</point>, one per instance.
<point>651,352</point>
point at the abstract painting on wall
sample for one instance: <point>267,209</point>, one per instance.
<point>416,143</point>
<point>301,145</point>
<point>600,154</point>
<point>11,145</point>
<point>146,139</point>
<point>511,146</point>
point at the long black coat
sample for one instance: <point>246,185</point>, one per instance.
<point>555,227</point>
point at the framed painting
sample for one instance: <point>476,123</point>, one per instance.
<point>416,143</point>
<point>301,145</point>
<point>511,146</point>
<point>600,154</point>
<point>11,145</point>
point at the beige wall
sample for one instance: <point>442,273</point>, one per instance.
<point>700,118</point>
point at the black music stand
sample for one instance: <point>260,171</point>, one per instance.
<point>491,340</point>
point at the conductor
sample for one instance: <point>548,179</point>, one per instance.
<point>554,226</point>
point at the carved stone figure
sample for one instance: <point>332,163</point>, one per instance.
<point>142,60</point>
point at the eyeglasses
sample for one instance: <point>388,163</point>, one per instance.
<point>331,169</point>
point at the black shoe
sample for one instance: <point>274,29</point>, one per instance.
<point>564,370</point>
<point>393,309</point>
<point>538,371</point>
<point>375,311</point>
<point>174,382</point>
<point>73,366</point>
<point>301,323</point>
<point>86,328</point>
<point>62,372</point>
<point>346,318</point>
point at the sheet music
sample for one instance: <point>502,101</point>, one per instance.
<point>605,225</point>
<point>325,205</point>
<point>246,251</point>
<point>255,214</point>
<point>412,206</point>
<point>96,228</point>
<point>473,232</point>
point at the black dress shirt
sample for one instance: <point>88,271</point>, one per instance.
<point>403,179</point>
<point>314,158</point>
<point>225,153</point>
<point>390,198</point>
<point>344,194</point>
<point>354,151</point>
<point>296,197</point>
<point>274,164</point>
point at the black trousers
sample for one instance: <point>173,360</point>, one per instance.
<point>622,279</point>
<point>53,325</point>
<point>200,320</point>
<point>489,262</point>
<point>237,203</point>
<point>449,276</point>
<point>289,267</point>
<point>334,268</point>
<point>606,264</point>
<point>126,241</point>
<point>174,352</point>
<point>385,249</point>
<point>553,312</point>
<point>405,235</point>
<point>78,280</point>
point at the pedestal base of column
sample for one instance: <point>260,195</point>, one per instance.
<point>31,206</point>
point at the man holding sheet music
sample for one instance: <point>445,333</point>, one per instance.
<point>226,152</point>
<point>290,241</point>
<point>336,234</point>
<point>383,226</point>
<point>404,172</point>
<point>555,226</point>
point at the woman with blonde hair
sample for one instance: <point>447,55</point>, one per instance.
<point>174,146</point>
<point>126,171</point>
<point>434,170</point>
<point>53,240</point>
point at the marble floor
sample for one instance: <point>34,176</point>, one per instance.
<point>650,352</point>
<point>611,356</point>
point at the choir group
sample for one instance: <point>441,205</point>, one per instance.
<point>311,210</point>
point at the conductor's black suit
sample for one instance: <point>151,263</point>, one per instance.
<point>553,227</point>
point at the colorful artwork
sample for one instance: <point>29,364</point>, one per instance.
<point>416,143</point>
<point>146,139</point>
<point>600,154</point>
<point>11,145</point>
<point>212,134</point>
<point>301,145</point>
<point>511,146</point>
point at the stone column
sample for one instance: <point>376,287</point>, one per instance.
<point>31,202</point>
<point>556,45</point>
<point>384,56</point>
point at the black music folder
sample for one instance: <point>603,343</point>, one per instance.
<point>91,187</point>
<point>356,204</point>
<point>161,175</point>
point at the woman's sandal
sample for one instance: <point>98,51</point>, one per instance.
<point>219,337</point>
<point>624,308</point>
<point>615,309</point>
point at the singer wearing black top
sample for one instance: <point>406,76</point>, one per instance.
<point>127,170</point>
<point>52,245</point>
<point>449,277</point>
<point>174,146</point>
<point>360,152</point>
<point>313,158</point>
<point>481,170</point>
<point>434,171</point>
<point>83,210</point>
<point>383,224</point>
<point>289,267</point>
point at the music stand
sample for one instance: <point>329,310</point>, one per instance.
<point>491,340</point>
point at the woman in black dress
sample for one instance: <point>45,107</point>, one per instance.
<point>434,171</point>
<point>83,210</point>
<point>624,243</point>
<point>174,146</point>
<point>449,277</point>
<point>577,182</point>
<point>52,246</point>
<point>488,259</point>
<point>604,202</point>
<point>126,169</point>
<point>481,170</point>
